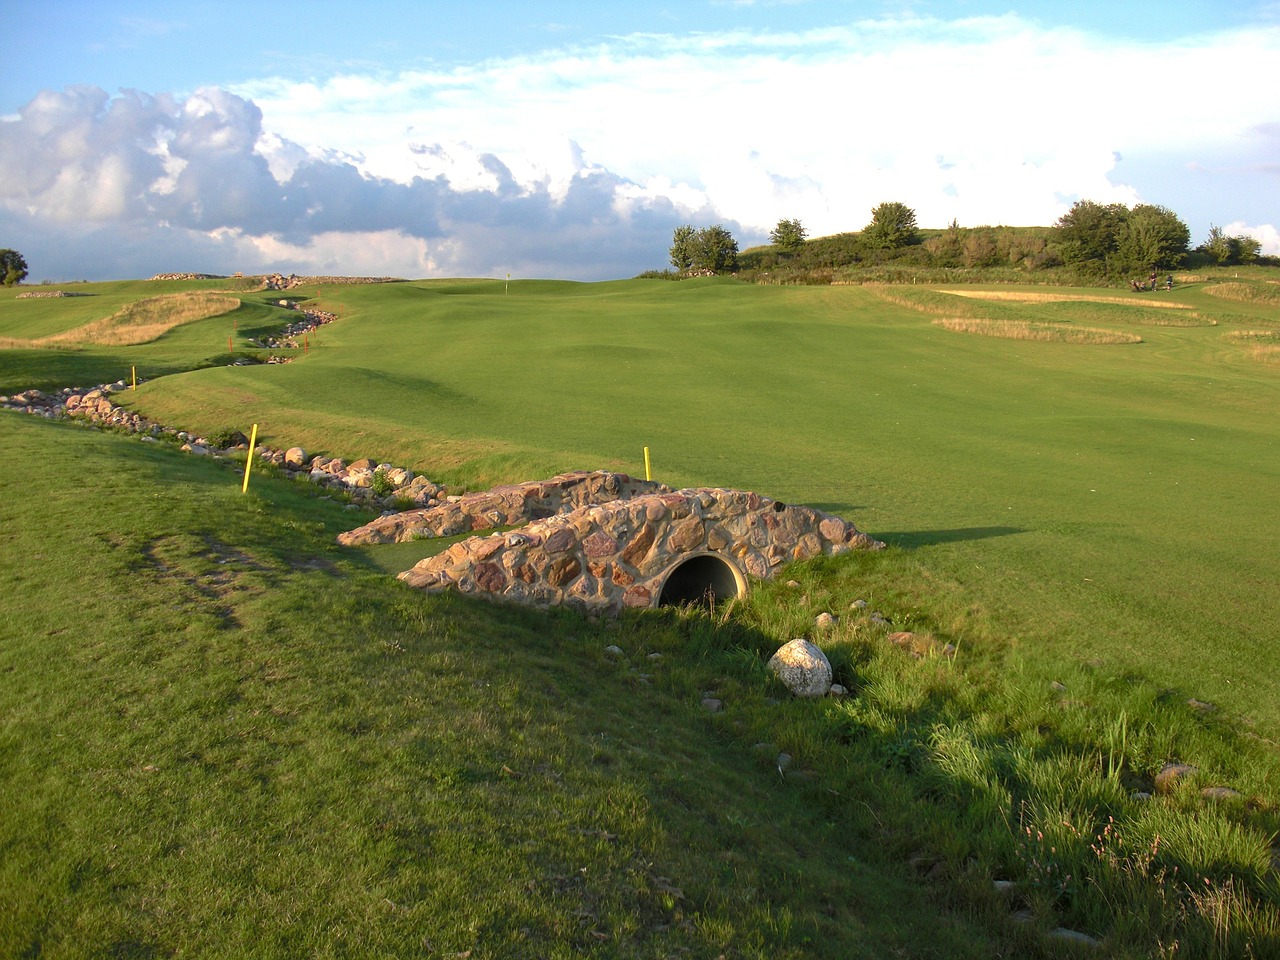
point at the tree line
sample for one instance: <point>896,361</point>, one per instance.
<point>1092,240</point>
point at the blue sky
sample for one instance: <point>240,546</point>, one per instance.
<point>569,138</point>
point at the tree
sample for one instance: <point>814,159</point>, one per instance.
<point>788,234</point>
<point>714,249</point>
<point>1248,249</point>
<point>892,225</point>
<point>13,269</point>
<point>682,244</point>
<point>1089,232</point>
<point>1218,245</point>
<point>1150,236</point>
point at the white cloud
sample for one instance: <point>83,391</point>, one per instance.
<point>822,124</point>
<point>1266,234</point>
<point>578,161</point>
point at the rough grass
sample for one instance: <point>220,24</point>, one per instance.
<point>1267,293</point>
<point>1037,296</point>
<point>1026,330</point>
<point>139,321</point>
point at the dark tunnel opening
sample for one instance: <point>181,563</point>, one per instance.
<point>702,580</point>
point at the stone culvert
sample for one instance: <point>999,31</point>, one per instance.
<point>649,550</point>
<point>506,506</point>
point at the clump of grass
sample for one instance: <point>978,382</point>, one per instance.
<point>1096,311</point>
<point>924,300</point>
<point>1039,296</point>
<point>1027,330</point>
<point>1268,293</point>
<point>1261,345</point>
<point>143,320</point>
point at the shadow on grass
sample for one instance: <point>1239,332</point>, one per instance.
<point>910,539</point>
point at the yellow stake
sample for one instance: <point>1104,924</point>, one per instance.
<point>135,378</point>
<point>646,464</point>
<point>253,442</point>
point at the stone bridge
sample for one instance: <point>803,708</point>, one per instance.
<point>605,542</point>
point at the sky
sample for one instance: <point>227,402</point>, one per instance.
<point>568,138</point>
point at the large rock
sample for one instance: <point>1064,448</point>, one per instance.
<point>803,668</point>
<point>295,457</point>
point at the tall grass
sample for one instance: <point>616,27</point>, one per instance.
<point>1267,293</point>
<point>1036,296</point>
<point>145,320</point>
<point>1026,330</point>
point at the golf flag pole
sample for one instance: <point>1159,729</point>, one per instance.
<point>134,374</point>
<point>253,443</point>
<point>646,464</point>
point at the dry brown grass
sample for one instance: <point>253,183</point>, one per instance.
<point>1026,330</point>
<point>143,320</point>
<point>1261,345</point>
<point>1041,296</point>
<point>1245,292</point>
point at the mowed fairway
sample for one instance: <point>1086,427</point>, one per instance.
<point>1111,503</point>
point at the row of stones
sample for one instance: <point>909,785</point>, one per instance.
<point>611,556</point>
<point>358,480</point>
<point>288,337</point>
<point>47,294</point>
<point>278,282</point>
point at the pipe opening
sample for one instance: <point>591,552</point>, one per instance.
<point>702,580</point>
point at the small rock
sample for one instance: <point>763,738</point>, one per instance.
<point>793,584</point>
<point>837,690</point>
<point>712,705</point>
<point>295,457</point>
<point>803,668</point>
<point>824,621</point>
<point>1057,687</point>
<point>783,761</point>
<point>1171,774</point>
<point>655,656</point>
<point>1201,706</point>
<point>614,650</point>
<point>1004,887</point>
<point>1219,793</point>
<point>858,605</point>
<point>1073,936</point>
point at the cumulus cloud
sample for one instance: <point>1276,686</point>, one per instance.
<point>579,161</point>
<point>201,179</point>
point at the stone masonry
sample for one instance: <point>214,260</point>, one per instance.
<point>506,506</point>
<point>606,557</point>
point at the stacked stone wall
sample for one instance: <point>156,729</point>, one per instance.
<point>608,557</point>
<point>505,506</point>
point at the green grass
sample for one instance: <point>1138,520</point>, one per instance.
<point>223,736</point>
<point>231,726</point>
<point>1104,502</point>
<point>199,344</point>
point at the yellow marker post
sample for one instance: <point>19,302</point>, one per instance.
<point>646,464</point>
<point>253,443</point>
<point>134,385</point>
